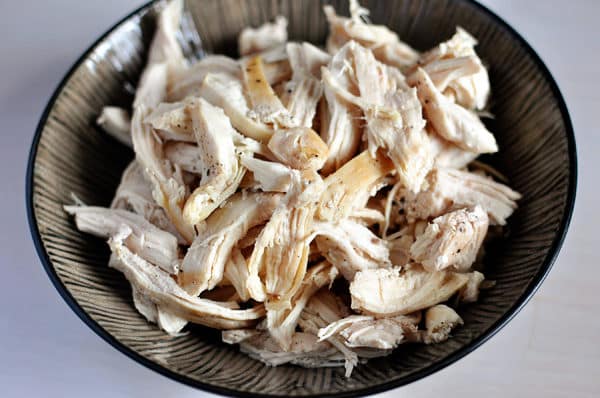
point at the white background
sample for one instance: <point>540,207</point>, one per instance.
<point>550,349</point>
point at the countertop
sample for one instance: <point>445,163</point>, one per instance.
<point>550,349</point>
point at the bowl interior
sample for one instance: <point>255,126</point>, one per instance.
<point>72,155</point>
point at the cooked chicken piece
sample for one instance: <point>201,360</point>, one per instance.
<point>135,194</point>
<point>394,121</point>
<point>187,83</point>
<point>266,106</point>
<point>351,247</point>
<point>172,324</point>
<point>323,309</point>
<point>300,148</point>
<point>186,156</point>
<point>366,331</point>
<point>282,248</point>
<point>439,322</point>
<point>168,189</point>
<point>402,293</point>
<point>269,176</point>
<point>164,46</point>
<point>276,64</point>
<point>445,71</point>
<point>204,264</point>
<point>222,168</point>
<point>236,271</point>
<point>282,322</point>
<point>367,216</point>
<point>146,240</point>
<point>449,189</point>
<point>268,35</point>
<point>226,92</point>
<point>350,187</point>
<point>152,87</point>
<point>305,351</point>
<point>448,154</point>
<point>306,59</point>
<point>302,97</point>
<point>384,43</point>
<point>452,240</point>
<point>470,90</point>
<point>340,119</point>
<point>470,292</point>
<point>162,290</point>
<point>451,121</point>
<point>165,58</point>
<point>303,92</point>
<point>172,121</point>
<point>117,123</point>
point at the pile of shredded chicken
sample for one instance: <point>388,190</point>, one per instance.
<point>320,207</point>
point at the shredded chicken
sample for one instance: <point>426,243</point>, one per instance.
<point>258,181</point>
<point>351,247</point>
<point>449,189</point>
<point>384,43</point>
<point>265,37</point>
<point>452,240</point>
<point>117,123</point>
<point>204,263</point>
<point>388,292</point>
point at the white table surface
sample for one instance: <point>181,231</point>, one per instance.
<point>550,349</point>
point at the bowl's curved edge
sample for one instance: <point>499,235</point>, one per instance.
<point>495,328</point>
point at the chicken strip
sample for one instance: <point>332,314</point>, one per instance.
<point>168,189</point>
<point>394,121</point>
<point>134,194</point>
<point>452,240</point>
<point>451,121</point>
<point>226,92</point>
<point>170,323</point>
<point>282,248</point>
<point>165,58</point>
<point>268,35</point>
<point>366,331</point>
<point>222,168</point>
<point>269,176</point>
<point>188,82</point>
<point>351,247</point>
<point>236,271</point>
<point>149,242</point>
<point>282,322</point>
<point>448,154</point>
<point>305,351</point>
<point>470,90</point>
<point>303,92</point>
<point>117,123</point>
<point>340,119</point>
<point>439,322</point>
<point>449,189</point>
<point>203,265</point>
<point>300,148</point>
<point>266,106</point>
<point>402,293</point>
<point>172,121</point>
<point>350,187</point>
<point>385,44</point>
<point>470,292</point>
<point>162,290</point>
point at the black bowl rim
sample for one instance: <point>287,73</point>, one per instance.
<point>504,319</point>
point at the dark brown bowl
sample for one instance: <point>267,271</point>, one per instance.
<point>69,154</point>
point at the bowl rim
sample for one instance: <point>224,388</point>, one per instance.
<point>527,294</point>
